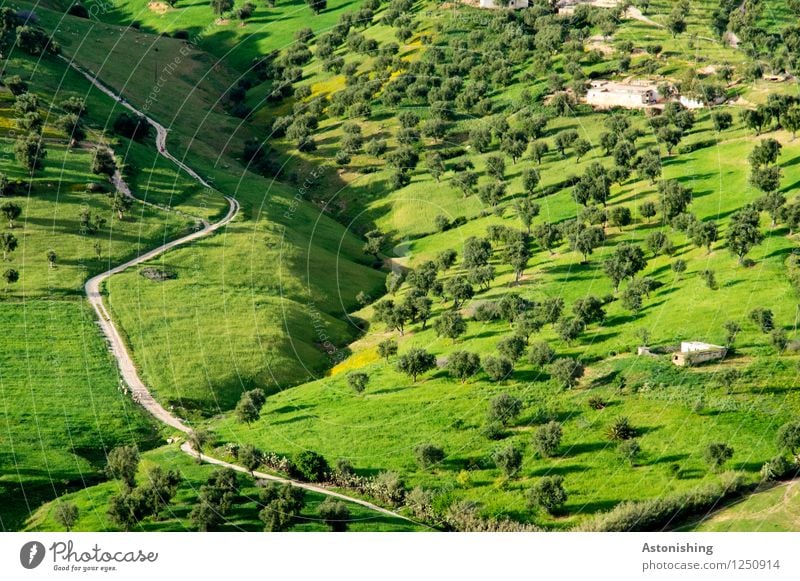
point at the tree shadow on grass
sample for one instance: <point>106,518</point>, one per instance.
<point>558,470</point>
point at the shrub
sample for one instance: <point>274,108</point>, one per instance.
<point>497,368</point>
<point>493,431</point>
<point>310,466</point>
<point>428,455</point>
<point>566,371</point>
<point>547,439</point>
<point>763,318</point>
<point>358,381</point>
<point>548,494</point>
<point>629,450</point>
<point>717,453</point>
<point>597,403</point>
<point>541,354</point>
<point>621,429</point>
<point>508,459</point>
<point>504,408</point>
<point>778,468</point>
<point>650,515</point>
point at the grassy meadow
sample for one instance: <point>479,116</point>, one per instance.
<point>271,301</point>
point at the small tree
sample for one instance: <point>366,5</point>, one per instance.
<point>387,348</point>
<point>66,514</point>
<point>374,241</point>
<point>122,463</point>
<point>648,210</point>
<point>541,354</point>
<point>120,204</point>
<point>679,267</point>
<point>744,232</point>
<point>11,211</point>
<point>789,437</point>
<point>415,363</point>
<point>11,276</point>
<point>282,504</point>
<point>221,6</point>
<point>763,318</point>
<point>504,408</point>
<point>358,381</point>
<point>103,162</point>
<point>450,324</point>
<point>248,409</point>
<point>311,466</point>
<point>566,371</point>
<point>334,513</point>
<point>547,439</point>
<point>717,454</point>
<point>8,242</point>
<point>462,365</point>
<point>428,455</point>
<point>508,459</point>
<point>197,440</point>
<point>250,457</point>
<point>548,494</point>
<point>511,347</point>
<point>732,329</point>
<point>497,368</point>
<point>629,450</point>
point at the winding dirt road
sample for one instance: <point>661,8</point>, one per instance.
<point>130,374</point>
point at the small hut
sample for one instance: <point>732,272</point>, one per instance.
<point>697,352</point>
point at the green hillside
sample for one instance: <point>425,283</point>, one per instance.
<point>432,177</point>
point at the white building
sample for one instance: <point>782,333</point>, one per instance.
<point>694,352</point>
<point>606,94</point>
<point>513,4</point>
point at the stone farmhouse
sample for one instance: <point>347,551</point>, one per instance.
<point>697,352</point>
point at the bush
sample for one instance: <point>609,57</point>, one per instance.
<point>541,354</point>
<point>487,311</point>
<point>504,408</point>
<point>547,439</point>
<point>493,431</point>
<point>629,450</point>
<point>508,459</point>
<point>597,403</point>
<point>717,453</point>
<point>548,494</point>
<point>310,466</point>
<point>428,455</point>
<point>778,468</point>
<point>621,429</point>
<point>652,515</point>
<point>763,318</point>
<point>497,368</point>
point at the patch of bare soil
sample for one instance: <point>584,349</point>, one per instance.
<point>158,7</point>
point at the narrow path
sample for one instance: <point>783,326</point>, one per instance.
<point>186,447</point>
<point>125,362</point>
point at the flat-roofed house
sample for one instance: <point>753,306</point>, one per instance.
<point>696,352</point>
<point>605,94</point>
<point>513,4</point>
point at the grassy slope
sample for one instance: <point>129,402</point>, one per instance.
<point>61,408</point>
<point>323,416</point>
<point>774,510</point>
<point>270,312</point>
<point>93,502</point>
<point>681,413</point>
